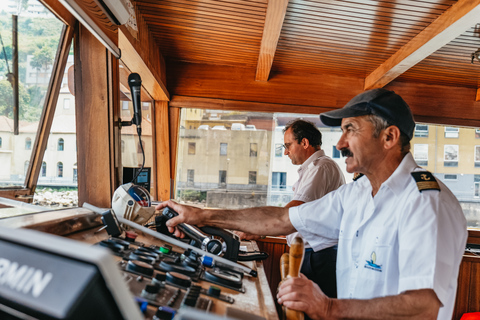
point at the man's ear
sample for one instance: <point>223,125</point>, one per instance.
<point>391,136</point>
<point>305,143</point>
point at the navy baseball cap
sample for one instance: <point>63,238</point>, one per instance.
<point>380,102</point>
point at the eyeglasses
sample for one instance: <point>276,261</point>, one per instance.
<point>286,146</point>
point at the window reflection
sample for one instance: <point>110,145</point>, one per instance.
<point>256,173</point>
<point>39,33</point>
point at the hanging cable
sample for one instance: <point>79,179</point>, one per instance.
<point>4,53</point>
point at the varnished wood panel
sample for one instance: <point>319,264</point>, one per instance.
<point>341,38</point>
<point>59,11</point>
<point>147,49</point>
<point>463,290</point>
<point>91,8</point>
<point>275,247</point>
<point>468,291</point>
<point>162,150</point>
<point>93,117</point>
<point>131,59</point>
<point>429,103</point>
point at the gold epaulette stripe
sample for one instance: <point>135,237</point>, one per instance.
<point>425,181</point>
<point>428,185</point>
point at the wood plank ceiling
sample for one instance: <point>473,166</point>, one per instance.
<point>351,38</point>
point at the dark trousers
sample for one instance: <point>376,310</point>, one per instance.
<point>320,268</point>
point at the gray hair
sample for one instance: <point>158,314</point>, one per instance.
<point>380,124</point>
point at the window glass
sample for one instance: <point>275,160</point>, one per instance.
<point>60,144</point>
<point>421,131</point>
<point>451,132</point>
<point>279,180</point>
<point>28,144</point>
<point>335,152</point>
<point>66,103</point>
<point>38,37</point>
<point>222,178</point>
<point>420,154</point>
<point>191,148</point>
<point>455,164</point>
<point>60,170</point>
<point>243,165</point>
<point>278,150</point>
<point>452,163</point>
<point>450,155</point>
<point>252,177</point>
<point>44,169</point>
<point>223,149</point>
<point>253,149</point>
<point>57,186</point>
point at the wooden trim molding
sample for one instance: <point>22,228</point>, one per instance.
<point>452,23</point>
<point>162,151</point>
<point>60,11</point>
<point>94,79</point>
<point>134,62</point>
<point>224,104</point>
<point>473,236</point>
<point>276,11</point>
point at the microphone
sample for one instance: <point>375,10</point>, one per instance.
<point>135,83</point>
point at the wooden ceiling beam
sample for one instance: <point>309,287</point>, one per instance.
<point>275,16</point>
<point>453,22</point>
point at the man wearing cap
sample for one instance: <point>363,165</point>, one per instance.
<point>401,234</point>
<point>317,176</point>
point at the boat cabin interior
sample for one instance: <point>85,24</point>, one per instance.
<point>219,81</point>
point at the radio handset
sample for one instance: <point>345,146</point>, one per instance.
<point>227,247</point>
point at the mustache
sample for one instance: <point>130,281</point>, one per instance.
<point>346,152</point>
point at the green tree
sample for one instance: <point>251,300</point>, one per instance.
<point>26,112</point>
<point>42,58</point>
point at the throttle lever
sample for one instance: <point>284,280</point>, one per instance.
<point>208,244</point>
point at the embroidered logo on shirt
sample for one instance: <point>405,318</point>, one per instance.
<point>372,263</point>
<point>425,181</point>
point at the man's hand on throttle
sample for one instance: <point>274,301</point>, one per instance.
<point>186,214</point>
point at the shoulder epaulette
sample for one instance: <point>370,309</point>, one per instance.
<point>425,181</point>
<point>357,176</point>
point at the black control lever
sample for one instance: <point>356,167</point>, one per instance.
<point>228,247</point>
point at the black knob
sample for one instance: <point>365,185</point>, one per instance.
<point>214,246</point>
<point>115,247</point>
<point>139,257</point>
<point>140,267</point>
<point>147,254</point>
<point>152,288</point>
<point>214,291</point>
<point>169,266</point>
<point>179,279</point>
<point>164,313</point>
<point>159,279</point>
<point>124,243</point>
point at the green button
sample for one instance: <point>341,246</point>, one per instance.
<point>165,249</point>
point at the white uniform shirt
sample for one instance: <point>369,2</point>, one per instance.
<point>317,176</point>
<point>400,240</point>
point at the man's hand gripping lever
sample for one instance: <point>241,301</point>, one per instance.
<point>171,212</point>
<point>206,243</point>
